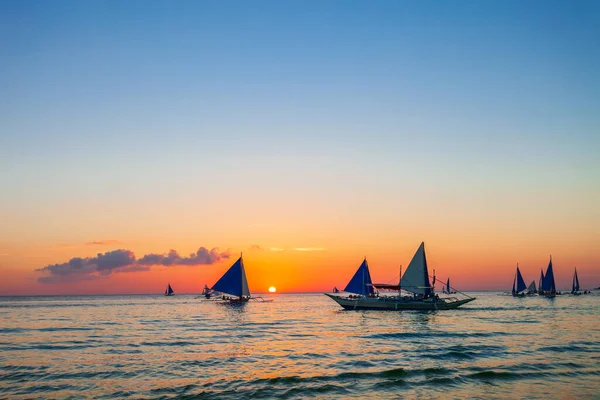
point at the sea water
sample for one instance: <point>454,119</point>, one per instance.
<point>299,345</point>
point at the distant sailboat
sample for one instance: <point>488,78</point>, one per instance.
<point>415,280</point>
<point>541,283</point>
<point>234,285</point>
<point>548,284</point>
<point>169,290</point>
<point>447,289</point>
<point>518,284</point>
<point>531,289</point>
<point>575,289</point>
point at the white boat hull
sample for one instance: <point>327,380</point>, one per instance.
<point>397,304</point>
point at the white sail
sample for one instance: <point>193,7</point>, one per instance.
<point>416,276</point>
<point>531,287</point>
<point>245,290</point>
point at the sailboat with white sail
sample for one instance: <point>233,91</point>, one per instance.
<point>169,290</point>
<point>360,293</point>
<point>519,285</point>
<point>531,289</point>
<point>233,285</point>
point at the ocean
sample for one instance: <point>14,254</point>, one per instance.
<point>298,346</point>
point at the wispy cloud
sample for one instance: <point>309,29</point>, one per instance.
<point>256,247</point>
<point>276,249</point>
<point>79,269</point>
<point>102,242</point>
<point>309,249</point>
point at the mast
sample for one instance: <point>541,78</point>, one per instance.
<point>400,283</point>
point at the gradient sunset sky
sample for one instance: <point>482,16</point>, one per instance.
<point>305,134</point>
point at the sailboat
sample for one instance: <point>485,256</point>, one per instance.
<point>362,295</point>
<point>541,284</point>
<point>531,289</point>
<point>447,289</point>
<point>234,286</point>
<point>518,284</point>
<point>548,288</point>
<point>575,288</point>
<point>169,290</point>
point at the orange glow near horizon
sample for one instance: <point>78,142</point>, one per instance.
<point>470,265</point>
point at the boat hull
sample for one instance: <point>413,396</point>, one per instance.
<point>394,304</point>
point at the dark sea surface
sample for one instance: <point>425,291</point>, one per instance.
<point>297,346</point>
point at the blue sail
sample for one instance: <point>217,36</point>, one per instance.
<point>234,281</point>
<point>169,290</point>
<point>575,282</point>
<point>361,281</point>
<point>448,286</point>
<point>541,283</point>
<point>549,285</point>
<point>520,282</point>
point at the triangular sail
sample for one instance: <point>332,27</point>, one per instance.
<point>575,282</point>
<point>549,285</point>
<point>169,290</point>
<point>361,281</point>
<point>520,282</point>
<point>531,287</point>
<point>448,286</point>
<point>541,283</point>
<point>416,276</point>
<point>234,281</point>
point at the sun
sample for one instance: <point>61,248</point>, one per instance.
<point>272,289</point>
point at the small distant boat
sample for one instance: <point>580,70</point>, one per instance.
<point>548,287</point>
<point>531,289</point>
<point>234,286</point>
<point>518,284</point>
<point>169,290</point>
<point>447,289</point>
<point>208,292</point>
<point>361,293</point>
<point>576,290</point>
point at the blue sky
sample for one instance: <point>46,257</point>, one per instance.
<point>121,102</point>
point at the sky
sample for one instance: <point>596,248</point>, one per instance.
<point>305,135</point>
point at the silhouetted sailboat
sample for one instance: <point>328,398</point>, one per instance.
<point>518,284</point>
<point>548,288</point>
<point>447,289</point>
<point>169,290</point>
<point>234,285</point>
<point>575,288</point>
<point>531,289</point>
<point>415,280</point>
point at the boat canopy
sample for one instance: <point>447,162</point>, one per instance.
<point>361,281</point>
<point>416,276</point>
<point>234,281</point>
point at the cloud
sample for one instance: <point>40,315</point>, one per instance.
<point>256,247</point>
<point>102,242</point>
<point>309,249</point>
<point>80,269</point>
<point>276,249</point>
<point>201,257</point>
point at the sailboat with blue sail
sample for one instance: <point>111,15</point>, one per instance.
<point>360,293</point>
<point>575,290</point>
<point>447,289</point>
<point>518,284</point>
<point>548,287</point>
<point>169,290</point>
<point>234,286</point>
